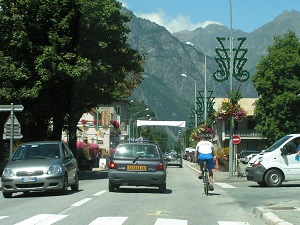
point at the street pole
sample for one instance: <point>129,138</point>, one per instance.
<point>129,136</point>
<point>231,84</point>
<point>205,82</point>
<point>196,119</point>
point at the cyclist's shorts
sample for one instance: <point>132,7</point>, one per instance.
<point>209,158</point>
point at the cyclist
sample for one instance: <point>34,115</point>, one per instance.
<point>205,151</point>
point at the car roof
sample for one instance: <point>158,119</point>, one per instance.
<point>40,142</point>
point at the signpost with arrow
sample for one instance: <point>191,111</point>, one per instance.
<point>12,127</point>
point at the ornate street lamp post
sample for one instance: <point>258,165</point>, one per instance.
<point>205,83</point>
<point>231,66</point>
<point>129,131</point>
<point>196,120</point>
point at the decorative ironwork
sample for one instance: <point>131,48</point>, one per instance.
<point>209,105</point>
<point>223,61</point>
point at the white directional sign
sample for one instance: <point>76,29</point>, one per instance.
<point>8,133</point>
<point>7,108</point>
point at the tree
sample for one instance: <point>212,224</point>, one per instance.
<point>277,81</point>
<point>61,58</point>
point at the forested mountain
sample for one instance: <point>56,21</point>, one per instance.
<point>167,55</point>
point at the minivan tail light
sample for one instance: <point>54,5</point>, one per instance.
<point>160,167</point>
<point>112,165</point>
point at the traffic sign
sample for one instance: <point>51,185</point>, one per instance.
<point>9,120</point>
<point>15,136</point>
<point>8,108</point>
<point>236,139</point>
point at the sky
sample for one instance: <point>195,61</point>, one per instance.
<point>178,15</point>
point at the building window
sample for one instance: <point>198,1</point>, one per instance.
<point>118,110</point>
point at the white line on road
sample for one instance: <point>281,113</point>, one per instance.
<point>160,221</point>
<point>224,185</point>
<point>82,202</point>
<point>108,220</point>
<point>42,219</point>
<point>3,217</point>
<point>100,193</point>
<point>232,223</point>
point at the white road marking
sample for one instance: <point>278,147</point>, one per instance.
<point>100,193</point>
<point>224,185</point>
<point>3,217</point>
<point>232,223</point>
<point>85,200</point>
<point>42,219</point>
<point>161,221</point>
<point>109,220</point>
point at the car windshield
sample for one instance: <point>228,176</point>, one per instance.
<point>133,151</point>
<point>36,151</point>
<point>278,143</point>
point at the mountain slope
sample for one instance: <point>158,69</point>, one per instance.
<point>170,95</point>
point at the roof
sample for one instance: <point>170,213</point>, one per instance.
<point>245,103</point>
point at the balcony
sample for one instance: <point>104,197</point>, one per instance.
<point>245,134</point>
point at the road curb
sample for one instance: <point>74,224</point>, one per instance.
<point>269,217</point>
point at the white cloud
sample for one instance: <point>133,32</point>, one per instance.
<point>173,25</point>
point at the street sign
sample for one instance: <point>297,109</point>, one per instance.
<point>12,130</point>
<point>8,121</point>
<point>8,127</point>
<point>236,139</point>
<point>7,108</point>
<point>15,136</point>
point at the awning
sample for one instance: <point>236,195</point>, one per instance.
<point>160,123</point>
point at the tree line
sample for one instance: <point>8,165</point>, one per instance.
<point>60,58</point>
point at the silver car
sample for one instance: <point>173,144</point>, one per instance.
<point>137,164</point>
<point>40,166</point>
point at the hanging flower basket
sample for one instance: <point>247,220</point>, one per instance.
<point>83,121</point>
<point>115,124</point>
<point>228,109</point>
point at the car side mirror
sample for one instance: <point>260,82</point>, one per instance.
<point>69,156</point>
<point>284,151</point>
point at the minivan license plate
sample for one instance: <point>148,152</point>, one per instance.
<point>135,167</point>
<point>28,179</point>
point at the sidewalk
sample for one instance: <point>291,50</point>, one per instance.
<point>280,213</point>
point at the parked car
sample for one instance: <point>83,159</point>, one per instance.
<point>248,158</point>
<point>137,164</point>
<point>40,166</point>
<point>276,164</point>
<point>244,153</point>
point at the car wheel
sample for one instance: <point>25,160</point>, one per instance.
<point>162,188</point>
<point>180,166</point>
<point>273,178</point>
<point>111,187</point>
<point>64,189</point>
<point>7,194</point>
<point>75,186</point>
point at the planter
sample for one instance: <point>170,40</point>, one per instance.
<point>224,166</point>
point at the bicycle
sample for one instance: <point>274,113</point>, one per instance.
<point>205,178</point>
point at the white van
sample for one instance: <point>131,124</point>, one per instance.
<point>275,164</point>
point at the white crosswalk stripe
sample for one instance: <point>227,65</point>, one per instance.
<point>42,219</point>
<point>232,223</point>
<point>48,219</point>
<point>224,185</point>
<point>109,220</point>
<point>161,221</point>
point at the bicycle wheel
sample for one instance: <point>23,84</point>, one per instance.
<point>205,183</point>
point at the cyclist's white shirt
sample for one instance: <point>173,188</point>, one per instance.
<point>205,147</point>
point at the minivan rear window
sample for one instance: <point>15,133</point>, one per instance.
<point>133,151</point>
